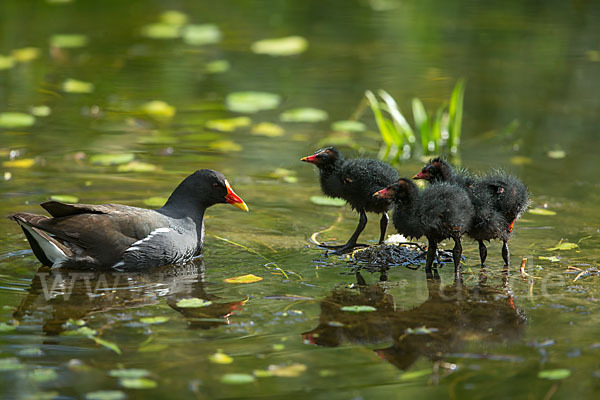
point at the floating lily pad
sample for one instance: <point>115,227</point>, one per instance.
<point>220,358</point>
<point>564,246</point>
<point>521,160</point>
<point>106,395</point>
<point>16,120</point>
<point>225,146</point>
<point>287,371</point>
<point>112,159</point>
<point>327,201</point>
<point>20,163</point>
<point>41,111</point>
<point>64,198</point>
<point>197,35</point>
<point>26,54</point>
<point>306,114</point>
<point>237,379</point>
<point>155,201</point>
<point>68,41</point>
<point>161,31</point>
<point>173,17</point>
<point>554,374</point>
<point>138,383</point>
<point>267,129</point>
<point>358,309</point>
<point>217,66</point>
<point>130,373</point>
<point>158,109</point>
<point>348,126</point>
<point>81,331</point>
<point>154,320</point>
<point>193,303</point>
<point>4,327</point>
<point>251,102</point>
<point>250,278</point>
<point>6,62</point>
<point>551,258</point>
<point>10,364</point>
<point>137,166</point>
<point>556,154</point>
<point>76,86</point>
<point>541,211</point>
<point>41,375</point>
<point>228,124</point>
<point>285,46</point>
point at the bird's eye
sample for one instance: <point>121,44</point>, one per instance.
<point>215,185</point>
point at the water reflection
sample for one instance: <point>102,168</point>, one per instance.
<point>55,296</point>
<point>451,316</point>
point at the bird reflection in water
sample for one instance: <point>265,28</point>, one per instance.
<point>56,295</point>
<point>451,316</point>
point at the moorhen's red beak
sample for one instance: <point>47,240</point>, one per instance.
<point>420,175</point>
<point>309,159</point>
<point>382,194</point>
<point>234,199</point>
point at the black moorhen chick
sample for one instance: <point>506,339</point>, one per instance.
<point>499,199</point>
<point>124,237</point>
<point>354,181</point>
<point>439,212</point>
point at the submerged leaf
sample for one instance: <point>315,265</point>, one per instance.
<point>285,46</point>
<point>154,320</point>
<point>193,303</point>
<point>225,146</point>
<point>112,159</point>
<point>556,154</point>
<point>197,35</point>
<point>220,358</point>
<point>251,102</point>
<point>228,124</point>
<point>554,374</point>
<point>155,201</point>
<point>541,211</point>
<point>250,278</point>
<point>217,66</point>
<point>521,160</point>
<point>161,31</point>
<point>106,395</point>
<point>237,379</point>
<point>267,129</point>
<point>327,201</point>
<point>129,373</point>
<point>41,111</point>
<point>68,41</point>
<point>564,246</point>
<point>158,109</point>
<point>16,120</point>
<point>6,62</point>
<point>76,86</point>
<point>64,198</point>
<point>358,309</point>
<point>348,126</point>
<point>20,163</point>
<point>26,54</point>
<point>138,383</point>
<point>306,114</point>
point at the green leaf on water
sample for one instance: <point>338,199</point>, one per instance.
<point>173,17</point>
<point>220,358</point>
<point>554,374</point>
<point>138,383</point>
<point>68,41</point>
<point>267,129</point>
<point>77,86</point>
<point>41,375</point>
<point>306,114</point>
<point>541,211</point>
<point>154,320</point>
<point>158,109</point>
<point>137,166</point>
<point>287,371</point>
<point>82,331</point>
<point>106,395</point>
<point>64,198</point>
<point>193,303</point>
<point>564,246</point>
<point>16,120</point>
<point>155,201</point>
<point>415,374</point>
<point>557,154</point>
<point>41,111</point>
<point>112,159</point>
<point>4,327</point>
<point>237,379</point>
<point>327,201</point>
<point>153,347</point>
<point>107,344</point>
<point>6,62</point>
<point>217,66</point>
<point>285,46</point>
<point>197,35</point>
<point>251,102</point>
<point>521,160</point>
<point>25,54</point>
<point>161,31</point>
<point>130,373</point>
<point>551,258</point>
<point>358,309</point>
<point>19,163</point>
<point>348,126</point>
<point>10,364</point>
<point>225,146</point>
<point>228,124</point>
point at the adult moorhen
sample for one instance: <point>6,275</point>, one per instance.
<point>439,212</point>
<point>124,237</point>
<point>354,181</point>
<point>499,199</point>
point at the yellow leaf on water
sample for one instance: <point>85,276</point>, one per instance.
<point>541,211</point>
<point>267,129</point>
<point>521,160</point>
<point>225,146</point>
<point>228,124</point>
<point>243,279</point>
<point>287,371</point>
<point>77,86</point>
<point>26,54</point>
<point>220,358</point>
<point>564,246</point>
<point>285,46</point>
<point>21,163</point>
<point>158,109</point>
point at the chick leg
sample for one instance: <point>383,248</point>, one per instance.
<point>383,224</point>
